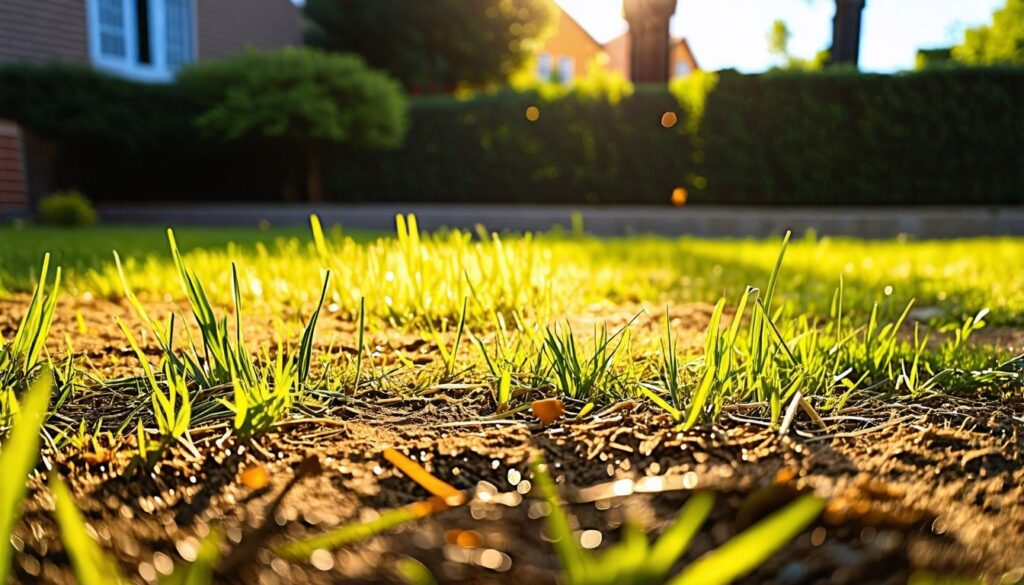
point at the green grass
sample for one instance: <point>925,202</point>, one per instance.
<point>805,323</point>
<point>419,276</point>
<point>18,457</point>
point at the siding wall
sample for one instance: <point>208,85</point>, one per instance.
<point>39,31</point>
<point>227,27</point>
<point>570,40</point>
<point>13,192</point>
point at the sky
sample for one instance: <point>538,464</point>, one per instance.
<point>733,33</point>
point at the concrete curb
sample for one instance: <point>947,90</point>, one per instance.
<point>928,222</point>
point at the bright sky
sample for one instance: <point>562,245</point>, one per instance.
<point>733,33</point>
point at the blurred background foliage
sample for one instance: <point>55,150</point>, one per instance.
<point>434,45</point>
<point>465,119</point>
<point>939,136</point>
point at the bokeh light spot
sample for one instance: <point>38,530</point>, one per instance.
<point>669,119</point>
<point>533,113</point>
<point>679,197</point>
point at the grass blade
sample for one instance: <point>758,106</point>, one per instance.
<point>90,563</point>
<point>676,539</point>
<point>575,559</point>
<point>20,452</point>
<point>749,549</point>
<point>199,571</point>
<point>358,531</point>
<point>414,573</point>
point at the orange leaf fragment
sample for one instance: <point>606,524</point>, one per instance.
<point>414,471</point>
<point>255,477</point>
<point>548,410</point>
<point>469,539</point>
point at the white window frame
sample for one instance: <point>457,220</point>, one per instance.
<point>157,70</point>
<point>544,66</point>
<point>566,69</point>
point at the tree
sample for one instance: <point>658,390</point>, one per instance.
<point>434,45</point>
<point>778,38</point>
<point>301,100</point>
<point>1000,43</point>
<point>778,45</point>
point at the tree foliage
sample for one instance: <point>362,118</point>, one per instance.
<point>434,45</point>
<point>778,45</point>
<point>298,95</point>
<point>302,99</point>
<point>1000,43</point>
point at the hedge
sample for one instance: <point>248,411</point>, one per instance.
<point>937,137</point>
<point>579,150</point>
<point>942,136</point>
<point>117,140</point>
<point>834,138</point>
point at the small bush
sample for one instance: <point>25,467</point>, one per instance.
<point>69,209</point>
<point>300,100</point>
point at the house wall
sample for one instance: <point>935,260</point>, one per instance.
<point>680,53</point>
<point>570,40</point>
<point>618,50</point>
<point>13,191</point>
<point>227,27</point>
<point>40,31</point>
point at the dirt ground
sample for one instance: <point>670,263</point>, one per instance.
<point>935,485</point>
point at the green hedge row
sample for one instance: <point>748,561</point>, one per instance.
<point>579,150</point>
<point>944,136</point>
<point>835,138</point>
<point>117,140</point>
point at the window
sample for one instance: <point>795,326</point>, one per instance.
<point>544,66</point>
<point>566,69</point>
<point>683,68</point>
<point>147,40</point>
<point>179,32</point>
<point>111,28</point>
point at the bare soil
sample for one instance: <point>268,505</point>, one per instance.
<point>936,485</point>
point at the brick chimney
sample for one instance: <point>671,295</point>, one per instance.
<point>846,32</point>
<point>648,30</point>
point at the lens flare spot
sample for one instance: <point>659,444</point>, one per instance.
<point>679,197</point>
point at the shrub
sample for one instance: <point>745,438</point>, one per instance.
<point>300,100</point>
<point>68,209</point>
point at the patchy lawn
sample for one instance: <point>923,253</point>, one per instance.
<point>867,376</point>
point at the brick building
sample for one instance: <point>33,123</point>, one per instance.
<point>143,40</point>
<point>571,50</point>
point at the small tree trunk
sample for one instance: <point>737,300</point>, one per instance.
<point>291,178</point>
<point>314,175</point>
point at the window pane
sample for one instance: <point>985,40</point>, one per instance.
<point>566,69</point>
<point>112,28</point>
<point>179,32</point>
<point>544,66</point>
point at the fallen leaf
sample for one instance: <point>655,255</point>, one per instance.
<point>548,410</point>
<point>255,477</point>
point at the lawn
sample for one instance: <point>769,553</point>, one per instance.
<point>314,405</point>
